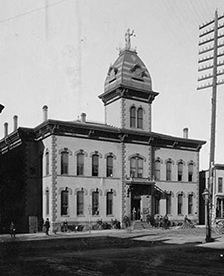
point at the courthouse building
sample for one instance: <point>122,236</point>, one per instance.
<point>83,171</point>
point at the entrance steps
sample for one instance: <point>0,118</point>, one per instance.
<point>140,225</point>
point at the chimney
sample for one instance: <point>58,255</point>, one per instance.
<point>83,117</point>
<point>185,133</point>
<point>6,129</point>
<point>45,116</point>
<point>15,120</point>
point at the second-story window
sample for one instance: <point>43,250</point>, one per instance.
<point>64,162</point>
<point>168,170</point>
<point>190,172</point>
<point>140,118</point>
<point>80,164</point>
<point>109,166</point>
<point>133,117</point>
<point>157,169</point>
<point>180,171</point>
<point>136,167</point>
<point>220,186</point>
<point>47,163</point>
<point>95,165</point>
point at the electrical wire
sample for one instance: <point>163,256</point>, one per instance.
<point>32,11</point>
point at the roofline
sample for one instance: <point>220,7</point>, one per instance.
<point>50,127</point>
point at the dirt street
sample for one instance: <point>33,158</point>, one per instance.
<point>151,252</point>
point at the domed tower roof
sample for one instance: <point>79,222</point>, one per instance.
<point>129,72</point>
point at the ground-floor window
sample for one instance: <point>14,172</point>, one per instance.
<point>109,199</point>
<point>80,203</point>
<point>168,203</point>
<point>190,204</point>
<point>220,208</point>
<point>64,203</point>
<point>47,202</point>
<point>95,203</point>
<point>180,204</point>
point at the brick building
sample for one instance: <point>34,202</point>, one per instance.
<point>82,171</point>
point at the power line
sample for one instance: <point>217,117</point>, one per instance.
<point>32,11</point>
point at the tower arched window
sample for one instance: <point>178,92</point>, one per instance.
<point>140,118</point>
<point>80,164</point>
<point>136,167</point>
<point>64,162</point>
<point>132,116</point>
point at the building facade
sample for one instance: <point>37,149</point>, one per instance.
<point>83,171</point>
<point>217,198</point>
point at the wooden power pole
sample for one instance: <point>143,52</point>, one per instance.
<point>211,62</point>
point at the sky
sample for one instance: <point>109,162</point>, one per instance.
<point>57,53</point>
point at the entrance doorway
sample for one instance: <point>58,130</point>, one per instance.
<point>136,207</point>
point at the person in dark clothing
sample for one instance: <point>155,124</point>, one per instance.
<point>12,230</point>
<point>47,226</point>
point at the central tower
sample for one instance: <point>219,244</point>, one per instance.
<point>128,93</point>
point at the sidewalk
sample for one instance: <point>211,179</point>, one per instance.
<point>172,236</point>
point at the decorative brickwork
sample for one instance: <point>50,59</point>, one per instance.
<point>122,113</point>
<point>150,121</point>
<point>124,194</point>
<point>54,179</point>
<point>150,172</point>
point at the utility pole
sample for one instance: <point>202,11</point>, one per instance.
<point>212,43</point>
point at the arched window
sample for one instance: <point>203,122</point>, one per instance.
<point>109,210</point>
<point>190,172</point>
<point>168,170</point>
<point>190,204</point>
<point>133,117</point>
<point>80,164</point>
<point>64,203</point>
<point>180,204</point>
<point>140,118</point>
<point>136,167</point>
<point>109,166</point>
<point>180,171</point>
<point>80,203</point>
<point>95,165</point>
<point>47,202</point>
<point>64,162</point>
<point>47,163</point>
<point>157,169</point>
<point>95,203</point>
